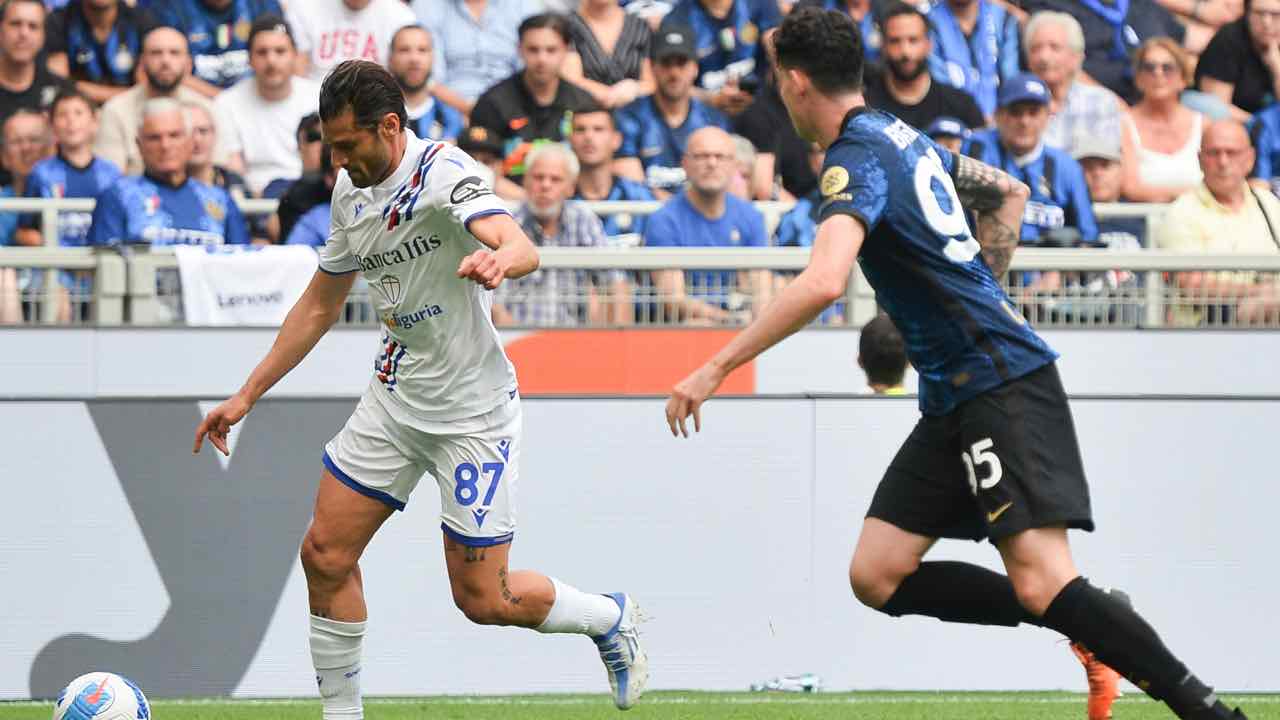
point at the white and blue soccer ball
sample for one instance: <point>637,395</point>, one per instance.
<point>101,696</point>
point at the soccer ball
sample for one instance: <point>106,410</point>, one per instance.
<point>101,696</point>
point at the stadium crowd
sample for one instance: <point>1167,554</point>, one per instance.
<point>168,111</point>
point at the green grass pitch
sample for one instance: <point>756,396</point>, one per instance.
<point>687,706</point>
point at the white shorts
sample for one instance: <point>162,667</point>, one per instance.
<point>475,462</point>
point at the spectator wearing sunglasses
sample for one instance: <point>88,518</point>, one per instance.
<point>1161,138</point>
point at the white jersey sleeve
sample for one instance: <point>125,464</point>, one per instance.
<point>336,257</point>
<point>463,188</point>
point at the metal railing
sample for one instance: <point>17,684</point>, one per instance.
<point>624,286</point>
<point>627,285</point>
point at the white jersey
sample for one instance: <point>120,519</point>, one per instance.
<point>440,356</point>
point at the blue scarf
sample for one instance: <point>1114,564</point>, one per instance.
<point>1114,15</point>
<point>973,61</point>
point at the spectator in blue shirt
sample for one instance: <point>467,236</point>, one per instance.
<point>74,172</point>
<point>97,43</point>
<point>475,44</point>
<point>1059,195</point>
<point>594,139</point>
<point>164,206</point>
<point>656,129</point>
<point>706,215</point>
<point>411,61</point>
<point>730,47</point>
<point>1264,131</point>
<point>217,32</point>
<point>975,47</point>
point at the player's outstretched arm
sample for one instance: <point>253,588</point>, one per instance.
<point>311,317</point>
<point>822,282</point>
<point>999,200</point>
<point>514,253</point>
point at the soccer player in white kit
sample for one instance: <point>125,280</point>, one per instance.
<point>433,241</point>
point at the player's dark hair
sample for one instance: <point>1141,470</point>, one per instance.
<point>4,6</point>
<point>270,22</point>
<point>882,352</point>
<point>365,88</point>
<point>67,95</point>
<point>555,22</point>
<point>898,9</point>
<point>823,44</point>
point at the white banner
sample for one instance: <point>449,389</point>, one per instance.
<point>230,285</point>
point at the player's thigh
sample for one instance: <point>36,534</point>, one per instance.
<point>1039,563</point>
<point>475,571</point>
<point>477,470</point>
<point>376,456</point>
<point>923,491</point>
<point>1022,458</point>
<point>886,553</point>
<point>343,522</point>
<point>370,470</point>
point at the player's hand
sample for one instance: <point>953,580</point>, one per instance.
<point>217,424</point>
<point>483,267</point>
<point>687,398</point>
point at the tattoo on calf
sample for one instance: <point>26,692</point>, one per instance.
<point>473,554</point>
<point>506,589</point>
<point>321,613</point>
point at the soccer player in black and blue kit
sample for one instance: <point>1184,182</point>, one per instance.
<point>895,201</point>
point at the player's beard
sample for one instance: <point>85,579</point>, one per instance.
<point>900,70</point>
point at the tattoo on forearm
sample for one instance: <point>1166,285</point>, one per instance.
<point>981,187</point>
<point>986,190</point>
<point>506,589</point>
<point>473,554</point>
<point>998,242</point>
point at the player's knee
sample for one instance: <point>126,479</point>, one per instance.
<point>324,561</point>
<point>1035,592</point>
<point>875,579</point>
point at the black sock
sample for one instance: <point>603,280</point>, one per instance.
<point>1119,637</point>
<point>958,592</point>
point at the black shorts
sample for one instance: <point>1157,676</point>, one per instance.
<point>999,463</point>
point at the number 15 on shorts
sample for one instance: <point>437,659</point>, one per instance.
<point>981,455</point>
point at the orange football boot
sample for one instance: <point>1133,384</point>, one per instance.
<point>1104,683</point>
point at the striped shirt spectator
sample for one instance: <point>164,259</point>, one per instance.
<point>609,54</point>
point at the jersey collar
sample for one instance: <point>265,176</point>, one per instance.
<point>849,116</point>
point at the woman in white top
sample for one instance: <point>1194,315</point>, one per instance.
<point>1161,140</point>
